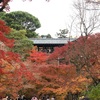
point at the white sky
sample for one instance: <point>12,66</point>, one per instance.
<point>53,15</point>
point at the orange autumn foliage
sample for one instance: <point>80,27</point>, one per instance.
<point>60,80</point>
<point>13,78</point>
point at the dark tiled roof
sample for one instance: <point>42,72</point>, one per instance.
<point>51,40</point>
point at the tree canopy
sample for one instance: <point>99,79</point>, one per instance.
<point>12,69</point>
<point>67,72</point>
<point>16,21</point>
<point>22,44</point>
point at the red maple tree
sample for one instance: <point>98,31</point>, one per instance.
<point>83,53</point>
<point>13,73</point>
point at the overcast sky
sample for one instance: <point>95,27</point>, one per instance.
<point>53,15</point>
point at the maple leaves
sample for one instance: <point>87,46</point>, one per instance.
<point>14,76</point>
<point>4,42</point>
<point>77,61</point>
<point>59,80</point>
<point>3,27</point>
<point>13,73</point>
<point>5,30</point>
<point>83,54</point>
<point>38,57</point>
<point>78,67</point>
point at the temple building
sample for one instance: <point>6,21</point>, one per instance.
<point>48,44</point>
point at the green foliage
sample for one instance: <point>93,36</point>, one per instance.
<point>22,44</point>
<point>2,14</point>
<point>17,35</point>
<point>94,92</point>
<point>22,20</point>
<point>32,34</point>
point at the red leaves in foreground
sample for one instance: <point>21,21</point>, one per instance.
<point>13,73</point>
<point>5,30</point>
<point>5,42</point>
